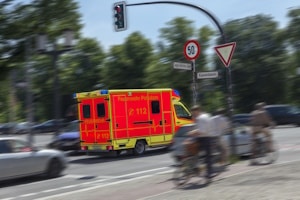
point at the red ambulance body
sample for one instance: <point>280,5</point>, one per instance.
<point>116,120</point>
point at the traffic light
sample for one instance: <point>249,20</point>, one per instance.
<point>120,23</point>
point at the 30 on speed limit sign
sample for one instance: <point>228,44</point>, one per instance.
<point>191,49</point>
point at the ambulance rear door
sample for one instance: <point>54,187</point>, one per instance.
<point>156,116</point>
<point>102,120</point>
<point>86,114</point>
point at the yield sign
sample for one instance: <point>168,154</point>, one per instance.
<point>225,52</point>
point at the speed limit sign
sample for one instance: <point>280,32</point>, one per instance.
<point>191,50</point>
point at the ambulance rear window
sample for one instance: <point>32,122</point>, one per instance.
<point>155,107</point>
<point>86,111</point>
<point>100,110</point>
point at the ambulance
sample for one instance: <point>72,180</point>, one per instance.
<point>129,119</point>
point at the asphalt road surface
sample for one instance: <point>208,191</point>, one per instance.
<point>125,177</point>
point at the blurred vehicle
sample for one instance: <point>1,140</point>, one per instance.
<point>19,159</point>
<point>241,119</point>
<point>8,128</point>
<point>1,125</point>
<point>284,114</point>
<point>242,135</point>
<point>180,136</point>
<point>69,139</point>
<point>243,140</point>
<point>22,128</point>
<point>49,126</point>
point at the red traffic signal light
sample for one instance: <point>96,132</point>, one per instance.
<point>118,9</point>
<point>120,23</point>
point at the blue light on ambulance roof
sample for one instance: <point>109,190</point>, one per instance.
<point>74,95</point>
<point>103,91</point>
<point>176,92</point>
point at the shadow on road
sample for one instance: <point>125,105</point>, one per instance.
<point>24,181</point>
<point>95,159</point>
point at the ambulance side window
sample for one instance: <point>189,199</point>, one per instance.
<point>86,111</point>
<point>155,107</point>
<point>100,110</point>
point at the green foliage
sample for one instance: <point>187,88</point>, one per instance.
<point>161,73</point>
<point>81,70</point>
<point>293,33</point>
<point>22,21</point>
<point>126,64</point>
<point>258,69</point>
<point>263,65</point>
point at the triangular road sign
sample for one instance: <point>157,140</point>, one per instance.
<point>225,52</point>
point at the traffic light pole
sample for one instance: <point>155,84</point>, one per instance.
<point>229,82</point>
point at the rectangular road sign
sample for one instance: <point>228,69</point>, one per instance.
<point>206,75</point>
<point>184,66</point>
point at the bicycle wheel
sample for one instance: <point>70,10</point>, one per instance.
<point>273,155</point>
<point>181,176</point>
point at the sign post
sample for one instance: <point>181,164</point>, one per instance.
<point>225,52</point>
<point>191,51</point>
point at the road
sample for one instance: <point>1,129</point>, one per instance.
<point>126,177</point>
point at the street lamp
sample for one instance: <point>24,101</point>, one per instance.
<point>42,48</point>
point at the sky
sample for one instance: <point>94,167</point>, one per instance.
<point>97,16</point>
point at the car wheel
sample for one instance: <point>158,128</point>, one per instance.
<point>54,168</point>
<point>140,147</point>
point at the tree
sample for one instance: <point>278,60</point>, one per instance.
<point>126,64</point>
<point>22,22</point>
<point>293,31</point>
<point>258,70</point>
<point>81,70</point>
<point>170,49</point>
<point>4,44</point>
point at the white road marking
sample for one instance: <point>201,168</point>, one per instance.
<point>68,186</point>
<point>28,195</point>
<point>95,187</point>
<point>102,179</point>
<point>165,172</point>
<point>50,190</point>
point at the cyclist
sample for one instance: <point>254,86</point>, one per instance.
<point>260,122</point>
<point>203,133</point>
<point>221,127</point>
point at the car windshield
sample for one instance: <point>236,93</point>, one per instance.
<point>72,127</point>
<point>294,110</point>
<point>181,112</point>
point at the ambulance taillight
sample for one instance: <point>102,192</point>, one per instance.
<point>109,148</point>
<point>84,148</point>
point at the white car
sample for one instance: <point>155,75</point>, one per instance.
<point>242,136</point>
<point>18,159</point>
<point>243,140</point>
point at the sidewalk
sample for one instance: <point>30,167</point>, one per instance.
<point>243,182</point>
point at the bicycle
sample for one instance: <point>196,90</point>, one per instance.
<point>264,155</point>
<point>189,167</point>
<point>193,165</point>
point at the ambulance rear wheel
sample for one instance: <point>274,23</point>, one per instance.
<point>139,148</point>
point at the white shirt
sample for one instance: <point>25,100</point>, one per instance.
<point>204,125</point>
<point>220,125</point>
